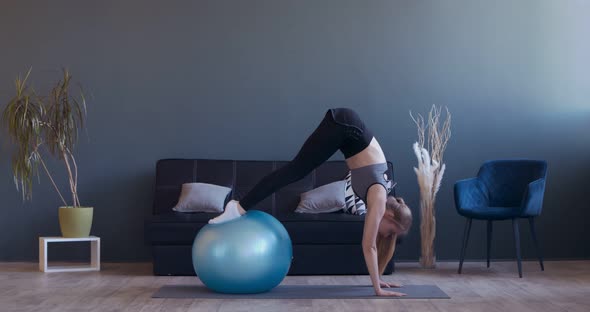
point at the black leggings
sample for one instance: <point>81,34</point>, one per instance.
<point>329,137</point>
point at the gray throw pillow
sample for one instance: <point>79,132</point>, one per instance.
<point>202,197</point>
<point>324,199</point>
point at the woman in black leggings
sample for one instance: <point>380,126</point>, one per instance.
<point>386,217</point>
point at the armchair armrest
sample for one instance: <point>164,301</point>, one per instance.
<point>470,193</point>
<point>532,201</point>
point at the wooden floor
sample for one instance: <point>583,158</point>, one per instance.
<point>564,286</point>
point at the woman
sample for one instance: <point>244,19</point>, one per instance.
<point>386,217</point>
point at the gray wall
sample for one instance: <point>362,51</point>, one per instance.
<point>250,80</point>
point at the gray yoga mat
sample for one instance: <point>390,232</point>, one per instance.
<point>304,292</point>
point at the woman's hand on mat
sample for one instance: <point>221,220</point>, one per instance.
<point>388,285</point>
<point>381,292</point>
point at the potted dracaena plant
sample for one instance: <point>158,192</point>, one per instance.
<point>42,126</point>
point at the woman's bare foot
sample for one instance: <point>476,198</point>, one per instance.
<point>233,210</point>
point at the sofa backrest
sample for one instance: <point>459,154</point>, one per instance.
<point>241,176</point>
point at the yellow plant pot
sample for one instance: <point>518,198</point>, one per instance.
<point>75,222</point>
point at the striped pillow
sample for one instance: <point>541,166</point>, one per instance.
<point>354,205</point>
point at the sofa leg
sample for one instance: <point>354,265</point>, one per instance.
<point>464,246</point>
<point>489,240</point>
<point>536,242</point>
<point>517,243</point>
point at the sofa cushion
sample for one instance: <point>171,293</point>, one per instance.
<point>175,228</point>
<point>326,228</point>
<point>323,217</point>
<point>181,217</point>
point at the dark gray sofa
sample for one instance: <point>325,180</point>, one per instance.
<point>322,243</point>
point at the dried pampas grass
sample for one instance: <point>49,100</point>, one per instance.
<point>435,134</point>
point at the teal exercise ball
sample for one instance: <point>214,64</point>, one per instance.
<point>247,255</point>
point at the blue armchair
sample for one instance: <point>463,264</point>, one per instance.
<point>503,190</point>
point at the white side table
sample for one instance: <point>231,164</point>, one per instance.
<point>94,254</point>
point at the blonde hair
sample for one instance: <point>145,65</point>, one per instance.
<point>402,215</point>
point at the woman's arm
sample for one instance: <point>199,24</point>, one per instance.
<point>372,220</point>
<point>375,212</point>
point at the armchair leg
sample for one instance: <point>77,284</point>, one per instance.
<point>489,240</point>
<point>464,246</point>
<point>536,242</point>
<point>517,243</point>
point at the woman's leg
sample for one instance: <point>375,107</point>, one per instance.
<point>319,147</point>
